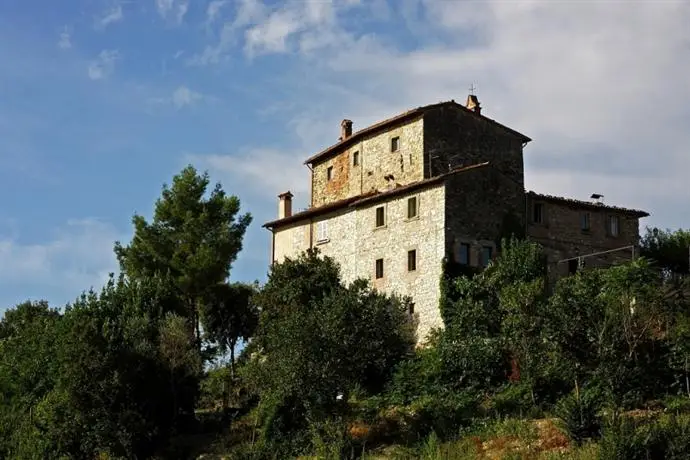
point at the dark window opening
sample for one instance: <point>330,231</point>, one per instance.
<point>487,252</point>
<point>412,207</point>
<point>411,260</point>
<point>395,144</point>
<point>464,254</point>
<point>572,266</point>
<point>380,217</point>
<point>329,173</point>
<point>379,268</point>
<point>538,213</point>
<point>410,308</point>
<point>584,221</point>
<point>355,159</point>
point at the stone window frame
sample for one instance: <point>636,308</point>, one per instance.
<point>322,232</point>
<point>407,208</point>
<point>376,217</point>
<point>414,260</point>
<point>355,158</point>
<point>395,144</point>
<point>379,272</point>
<point>329,173</point>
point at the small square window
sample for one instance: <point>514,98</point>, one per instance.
<point>380,217</point>
<point>412,207</point>
<point>395,144</point>
<point>538,213</point>
<point>355,159</point>
<point>487,252</point>
<point>584,221</point>
<point>329,173</point>
<point>411,260</point>
<point>379,268</point>
<point>613,227</point>
<point>464,254</point>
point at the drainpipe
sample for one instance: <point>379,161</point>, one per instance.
<point>311,185</point>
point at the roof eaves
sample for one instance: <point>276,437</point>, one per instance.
<point>581,203</point>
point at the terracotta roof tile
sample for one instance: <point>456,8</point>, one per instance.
<point>586,204</point>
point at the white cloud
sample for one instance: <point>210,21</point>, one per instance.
<point>181,97</point>
<point>77,257</point>
<point>110,17</point>
<point>103,66</point>
<point>605,99</point>
<point>65,41</point>
<point>172,10</point>
<point>213,10</point>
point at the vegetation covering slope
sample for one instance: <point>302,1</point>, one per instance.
<point>594,367</point>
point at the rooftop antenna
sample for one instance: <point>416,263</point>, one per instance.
<point>472,89</point>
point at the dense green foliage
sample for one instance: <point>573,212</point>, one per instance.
<point>599,361</point>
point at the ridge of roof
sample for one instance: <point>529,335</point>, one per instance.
<point>369,197</point>
<point>588,204</point>
<point>399,118</point>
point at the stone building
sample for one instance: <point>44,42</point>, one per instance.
<point>391,201</point>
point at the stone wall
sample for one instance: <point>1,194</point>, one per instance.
<point>375,162</point>
<point>482,205</point>
<point>453,138</point>
<point>355,243</point>
<point>561,234</point>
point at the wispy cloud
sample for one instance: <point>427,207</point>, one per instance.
<point>103,66</point>
<point>181,97</point>
<point>65,40</point>
<point>213,10</point>
<point>109,17</point>
<point>172,10</point>
<point>79,256</point>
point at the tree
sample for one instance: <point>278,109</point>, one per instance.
<point>670,250</point>
<point>318,338</point>
<point>230,316</point>
<point>192,239</point>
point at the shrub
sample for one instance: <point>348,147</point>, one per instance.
<point>579,413</point>
<point>667,438</point>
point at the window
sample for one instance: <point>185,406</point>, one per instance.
<point>395,144</point>
<point>410,308</point>
<point>322,231</point>
<point>487,252</point>
<point>355,159</point>
<point>379,268</point>
<point>538,213</point>
<point>464,254</point>
<point>329,173</point>
<point>584,221</point>
<point>380,217</point>
<point>411,260</point>
<point>613,226</point>
<point>572,266</point>
<point>412,207</point>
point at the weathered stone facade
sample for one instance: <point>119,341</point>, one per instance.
<point>569,228</point>
<point>356,243</point>
<point>375,163</point>
<point>465,174</point>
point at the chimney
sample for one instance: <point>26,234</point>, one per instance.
<point>345,129</point>
<point>473,104</point>
<point>284,205</point>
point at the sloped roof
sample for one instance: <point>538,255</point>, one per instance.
<point>580,204</point>
<point>405,116</point>
<point>368,198</point>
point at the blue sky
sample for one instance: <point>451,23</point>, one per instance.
<point>102,101</point>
